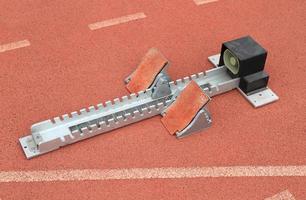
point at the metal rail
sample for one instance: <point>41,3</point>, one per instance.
<point>54,133</point>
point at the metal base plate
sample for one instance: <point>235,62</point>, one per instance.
<point>214,59</point>
<point>29,146</point>
<point>260,98</point>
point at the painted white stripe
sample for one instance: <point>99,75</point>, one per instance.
<point>284,195</point>
<point>152,173</point>
<point>14,45</point>
<point>200,2</point>
<point>116,21</point>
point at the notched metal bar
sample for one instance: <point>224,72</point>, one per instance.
<point>52,134</point>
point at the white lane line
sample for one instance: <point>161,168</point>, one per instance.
<point>116,21</point>
<point>200,2</point>
<point>151,173</point>
<point>284,195</point>
<point>14,45</point>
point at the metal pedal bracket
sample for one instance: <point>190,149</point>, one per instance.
<point>201,121</point>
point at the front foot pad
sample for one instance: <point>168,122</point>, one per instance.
<point>188,104</point>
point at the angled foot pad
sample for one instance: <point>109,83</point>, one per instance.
<point>182,112</point>
<point>143,77</point>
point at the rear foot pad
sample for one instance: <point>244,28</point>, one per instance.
<point>143,77</point>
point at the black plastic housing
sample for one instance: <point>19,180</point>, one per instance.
<point>251,56</point>
<point>254,82</point>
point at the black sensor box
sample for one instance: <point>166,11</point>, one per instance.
<point>254,82</point>
<point>250,54</point>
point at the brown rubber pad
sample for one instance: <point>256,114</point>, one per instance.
<point>185,107</point>
<point>152,64</point>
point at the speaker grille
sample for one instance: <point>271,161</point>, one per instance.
<point>231,61</point>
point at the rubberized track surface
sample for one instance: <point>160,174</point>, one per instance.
<point>68,66</point>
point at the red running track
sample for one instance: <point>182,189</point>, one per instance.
<point>68,66</point>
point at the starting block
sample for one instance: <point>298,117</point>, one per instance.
<point>181,103</point>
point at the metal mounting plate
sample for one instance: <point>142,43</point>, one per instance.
<point>214,59</point>
<point>261,97</point>
<point>29,146</point>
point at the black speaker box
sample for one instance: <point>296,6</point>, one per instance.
<point>251,56</point>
